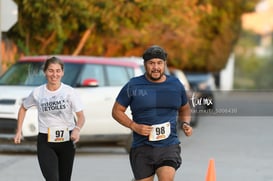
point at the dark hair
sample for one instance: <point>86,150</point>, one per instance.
<point>154,51</point>
<point>52,60</point>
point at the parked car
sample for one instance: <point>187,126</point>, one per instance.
<point>181,76</point>
<point>183,79</point>
<point>203,85</point>
<point>97,80</point>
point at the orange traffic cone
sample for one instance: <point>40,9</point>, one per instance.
<point>211,175</point>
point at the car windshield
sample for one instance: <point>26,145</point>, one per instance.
<point>31,74</point>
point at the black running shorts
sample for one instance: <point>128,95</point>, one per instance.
<point>146,159</point>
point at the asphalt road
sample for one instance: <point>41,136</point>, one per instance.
<point>240,143</point>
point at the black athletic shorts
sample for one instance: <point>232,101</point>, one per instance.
<point>145,160</point>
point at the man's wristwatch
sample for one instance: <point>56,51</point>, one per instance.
<point>181,123</point>
<point>184,122</point>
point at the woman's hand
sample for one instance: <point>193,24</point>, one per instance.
<point>17,138</point>
<point>75,135</point>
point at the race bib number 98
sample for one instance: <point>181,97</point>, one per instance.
<point>160,132</point>
<point>58,134</point>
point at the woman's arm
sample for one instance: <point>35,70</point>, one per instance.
<point>20,119</point>
<point>75,135</point>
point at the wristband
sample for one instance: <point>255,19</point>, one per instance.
<point>77,127</point>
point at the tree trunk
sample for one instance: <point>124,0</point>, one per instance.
<point>82,41</point>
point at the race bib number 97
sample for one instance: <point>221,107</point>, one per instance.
<point>160,132</point>
<point>58,134</point>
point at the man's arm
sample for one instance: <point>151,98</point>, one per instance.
<point>118,113</point>
<point>185,119</point>
<point>185,113</point>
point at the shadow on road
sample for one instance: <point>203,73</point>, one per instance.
<point>30,149</point>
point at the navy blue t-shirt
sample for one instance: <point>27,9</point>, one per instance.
<point>153,103</point>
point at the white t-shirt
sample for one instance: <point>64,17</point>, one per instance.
<point>55,108</point>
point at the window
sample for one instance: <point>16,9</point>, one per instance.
<point>71,72</point>
<point>117,75</point>
<point>28,73</point>
<point>93,71</point>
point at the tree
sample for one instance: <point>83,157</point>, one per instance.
<point>198,35</point>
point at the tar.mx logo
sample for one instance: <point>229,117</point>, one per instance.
<point>201,101</point>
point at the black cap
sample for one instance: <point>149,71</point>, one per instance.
<point>154,52</point>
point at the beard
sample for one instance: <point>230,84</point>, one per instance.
<point>154,77</point>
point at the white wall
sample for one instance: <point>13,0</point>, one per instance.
<point>227,74</point>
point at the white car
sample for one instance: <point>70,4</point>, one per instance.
<point>97,80</point>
